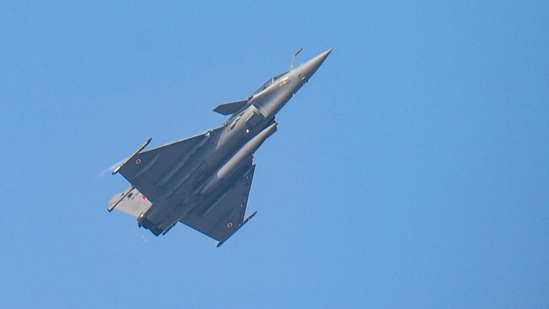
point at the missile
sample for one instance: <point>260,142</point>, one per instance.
<point>235,162</point>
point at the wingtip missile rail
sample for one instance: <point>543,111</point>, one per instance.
<point>117,169</point>
<point>219,243</point>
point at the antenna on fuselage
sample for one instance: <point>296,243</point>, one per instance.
<point>293,58</point>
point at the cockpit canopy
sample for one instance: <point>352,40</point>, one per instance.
<point>268,83</point>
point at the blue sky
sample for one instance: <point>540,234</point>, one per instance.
<point>411,171</point>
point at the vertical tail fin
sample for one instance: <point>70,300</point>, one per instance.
<point>130,201</point>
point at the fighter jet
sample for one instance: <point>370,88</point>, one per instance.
<point>204,181</point>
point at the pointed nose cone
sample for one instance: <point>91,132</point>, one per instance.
<point>309,68</point>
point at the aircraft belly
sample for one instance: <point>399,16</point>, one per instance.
<point>166,212</point>
<point>181,186</point>
<point>199,178</point>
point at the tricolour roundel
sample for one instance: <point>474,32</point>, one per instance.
<point>138,161</point>
<point>229,225</point>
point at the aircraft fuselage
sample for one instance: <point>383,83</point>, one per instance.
<point>207,171</point>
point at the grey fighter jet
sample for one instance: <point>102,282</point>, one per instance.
<point>204,181</point>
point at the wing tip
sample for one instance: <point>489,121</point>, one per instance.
<point>220,242</point>
<point>117,169</point>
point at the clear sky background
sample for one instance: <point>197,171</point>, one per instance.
<point>412,171</point>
